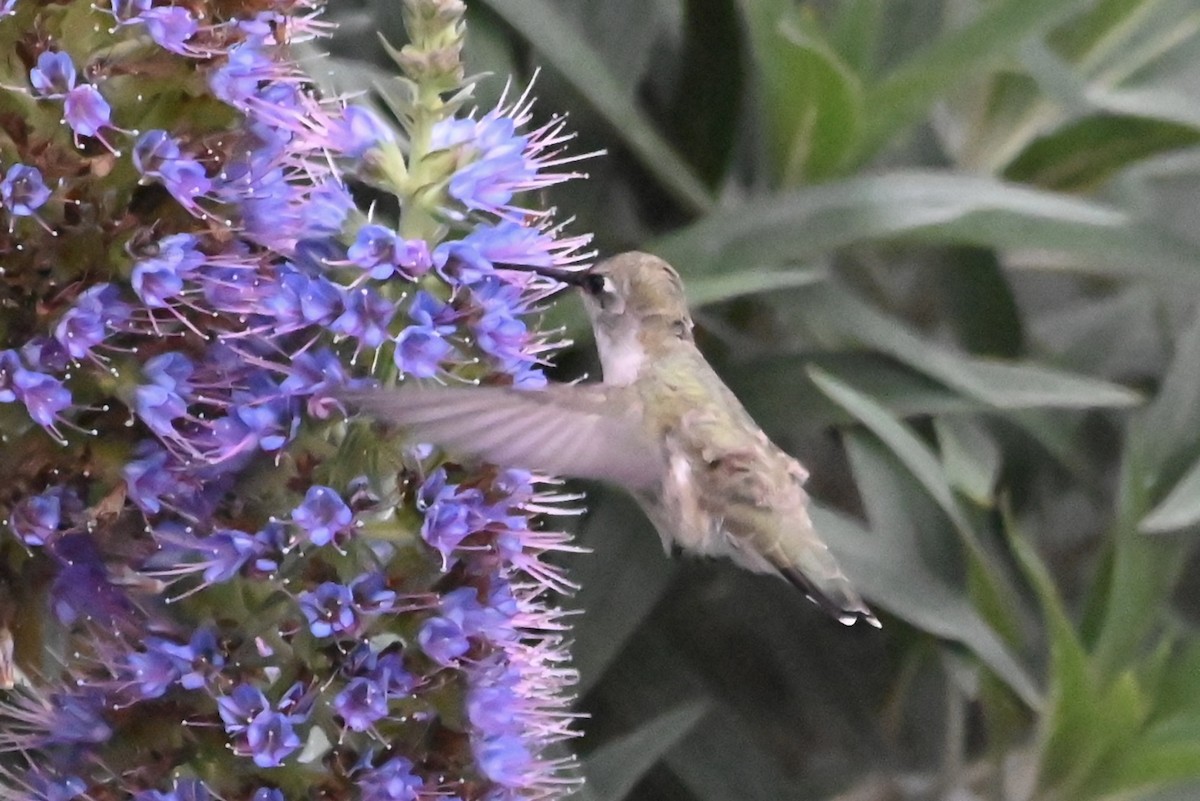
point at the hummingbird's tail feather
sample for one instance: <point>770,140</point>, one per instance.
<point>836,597</point>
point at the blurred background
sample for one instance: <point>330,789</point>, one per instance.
<point>948,254</point>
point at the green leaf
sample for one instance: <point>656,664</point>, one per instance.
<point>812,102</point>
<point>1180,509</point>
<point>708,289</point>
<point>953,59</point>
<point>615,768</point>
<point>994,583</point>
<point>709,93</point>
<point>1086,153</point>
<point>932,207</point>
<point>887,565</point>
<point>570,53</point>
<point>1003,385</point>
<point>855,32</point>
<point>970,459</point>
<point>1088,720</point>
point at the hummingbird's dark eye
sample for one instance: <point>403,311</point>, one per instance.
<point>595,284</point>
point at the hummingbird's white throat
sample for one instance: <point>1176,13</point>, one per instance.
<point>621,353</point>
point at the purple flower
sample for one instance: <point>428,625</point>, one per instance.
<point>45,786</point>
<point>374,249</point>
<point>323,515</point>
<point>329,610</point>
<point>170,27</point>
<point>44,396</point>
<point>23,191</point>
<point>371,594</point>
<point>153,671</point>
<point>86,324</point>
<point>43,353</point>
<point>361,129</point>
<point>184,790</point>
<point>159,408</point>
<point>394,780</point>
<point>36,518</point>
<point>421,348</point>
<point>186,180</point>
<point>366,317</point>
<point>82,589</point>
<point>239,709</point>
<point>86,111</point>
<point>361,704</point>
<point>10,364</point>
<point>53,76</point>
<point>76,719</point>
<point>270,738</point>
<point>152,150</point>
<point>504,758</point>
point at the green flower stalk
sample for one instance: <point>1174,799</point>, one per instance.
<point>215,583</point>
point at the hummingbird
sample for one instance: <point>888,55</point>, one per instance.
<point>661,425</point>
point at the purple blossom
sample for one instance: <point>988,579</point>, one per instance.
<point>394,780</point>
<point>366,317</point>
<point>86,111</point>
<point>170,27</point>
<point>53,75</point>
<point>44,354</point>
<point>323,515</point>
<point>82,589</point>
<point>87,323</point>
<point>270,739</point>
<point>361,130</point>
<point>37,518</point>
<point>44,396</point>
<point>44,786</point>
<point>362,703</point>
<point>371,594</point>
<point>422,348</point>
<point>382,253</point>
<point>239,709</point>
<point>504,758</point>
<point>10,364</point>
<point>23,191</point>
<point>329,610</point>
<point>183,790</point>
<point>154,149</point>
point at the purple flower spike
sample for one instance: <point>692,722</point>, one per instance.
<point>53,76</point>
<point>323,515</point>
<point>23,191</point>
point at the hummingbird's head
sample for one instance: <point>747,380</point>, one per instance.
<point>636,290</point>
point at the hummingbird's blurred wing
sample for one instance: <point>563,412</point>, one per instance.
<point>585,431</point>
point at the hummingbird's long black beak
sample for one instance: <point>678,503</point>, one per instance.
<point>568,277</point>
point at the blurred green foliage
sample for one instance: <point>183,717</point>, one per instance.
<point>947,252</point>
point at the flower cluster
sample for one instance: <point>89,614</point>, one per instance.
<point>256,592</point>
